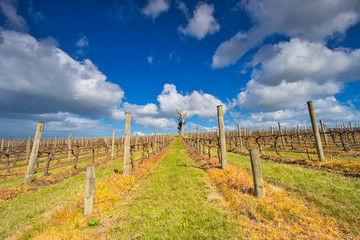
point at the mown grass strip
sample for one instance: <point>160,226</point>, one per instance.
<point>174,205</point>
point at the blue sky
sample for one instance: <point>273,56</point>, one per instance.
<point>80,65</point>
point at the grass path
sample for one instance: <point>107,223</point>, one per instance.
<point>174,205</point>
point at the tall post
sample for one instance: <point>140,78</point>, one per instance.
<point>69,147</point>
<point>89,190</point>
<point>155,142</point>
<point>163,139</point>
<point>222,136</point>
<point>324,132</point>
<point>315,128</point>
<point>82,143</point>
<point>34,153</point>
<point>240,138</point>
<point>28,148</point>
<point>136,140</point>
<point>257,175</point>
<point>198,139</point>
<point>113,144</point>
<point>282,138</point>
<point>127,144</point>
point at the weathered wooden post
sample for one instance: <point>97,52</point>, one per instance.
<point>324,132</point>
<point>127,144</point>
<point>198,139</point>
<point>113,144</point>
<point>136,140</point>
<point>222,136</point>
<point>240,138</point>
<point>282,138</point>
<point>82,144</point>
<point>34,153</point>
<point>315,128</point>
<point>89,190</point>
<point>28,148</point>
<point>163,140</point>
<point>155,142</point>
<point>69,147</point>
<point>257,175</point>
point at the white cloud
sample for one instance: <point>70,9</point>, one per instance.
<point>202,23</point>
<point>327,109</point>
<point>160,123</point>
<point>56,124</point>
<point>306,19</point>
<point>150,59</point>
<point>290,73</point>
<point>13,20</point>
<point>303,60</point>
<point>83,41</point>
<point>38,77</point>
<point>197,103</point>
<point>155,7</point>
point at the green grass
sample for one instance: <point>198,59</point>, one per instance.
<point>338,196</point>
<point>174,205</point>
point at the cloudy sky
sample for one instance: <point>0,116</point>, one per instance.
<point>80,65</point>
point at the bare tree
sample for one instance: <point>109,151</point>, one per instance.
<point>181,122</point>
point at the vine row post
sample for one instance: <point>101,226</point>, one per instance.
<point>34,153</point>
<point>257,175</point>
<point>315,129</point>
<point>222,136</point>
<point>155,143</point>
<point>127,144</point>
<point>89,190</point>
<point>69,147</point>
<point>113,144</point>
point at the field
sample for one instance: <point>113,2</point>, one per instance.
<point>177,189</point>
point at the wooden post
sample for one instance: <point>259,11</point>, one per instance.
<point>163,140</point>
<point>89,190</point>
<point>257,175</point>
<point>240,138</point>
<point>127,144</point>
<point>34,153</point>
<point>155,143</point>
<point>315,128</point>
<point>69,148</point>
<point>28,148</point>
<point>282,138</point>
<point>136,140</point>
<point>198,139</point>
<point>113,144</point>
<point>324,132</point>
<point>82,143</point>
<point>222,136</point>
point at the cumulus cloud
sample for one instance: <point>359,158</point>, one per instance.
<point>155,7</point>
<point>202,23</point>
<point>56,124</point>
<point>197,103</point>
<point>161,123</point>
<point>290,73</point>
<point>328,109</point>
<point>164,114</point>
<point>38,77</point>
<point>310,20</point>
<point>303,60</point>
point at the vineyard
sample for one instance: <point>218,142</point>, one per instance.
<point>275,183</point>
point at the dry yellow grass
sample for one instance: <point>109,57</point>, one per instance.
<point>67,221</point>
